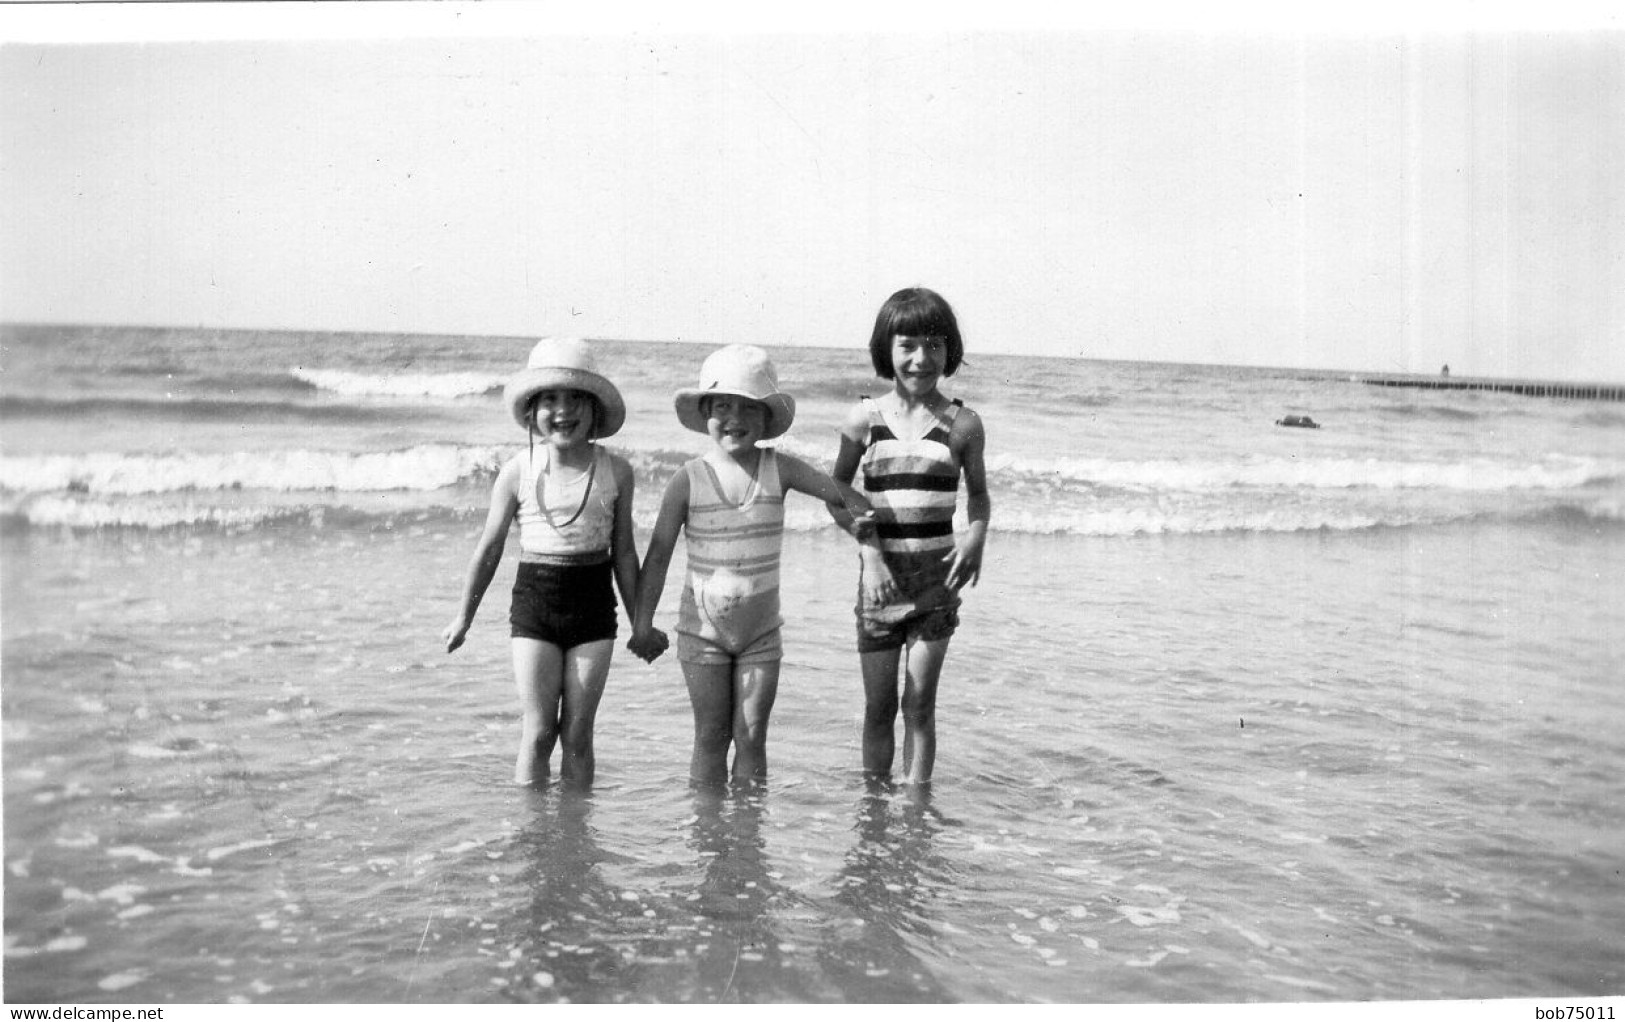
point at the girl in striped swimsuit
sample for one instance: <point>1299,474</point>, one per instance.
<point>913,446</point>
<point>730,503</point>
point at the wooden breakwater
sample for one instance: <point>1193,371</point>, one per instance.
<point>1528,388</point>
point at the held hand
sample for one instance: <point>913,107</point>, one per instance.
<point>648,644</point>
<point>863,527</point>
<point>875,580</point>
<point>877,592</point>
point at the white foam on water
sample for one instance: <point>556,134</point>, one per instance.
<point>1302,984</point>
<point>1149,916</point>
<point>184,867</point>
<point>440,385</point>
<point>216,854</point>
<point>151,752</point>
<point>122,980</point>
<point>123,894</point>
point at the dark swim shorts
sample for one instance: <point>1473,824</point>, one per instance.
<point>923,607</point>
<point>567,605</point>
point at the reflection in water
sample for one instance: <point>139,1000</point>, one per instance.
<point>569,949</point>
<point>891,876</point>
<point>731,930</point>
<point>738,955</point>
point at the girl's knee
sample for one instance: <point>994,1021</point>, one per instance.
<point>880,710</point>
<point>576,739</point>
<point>712,737</point>
<point>750,735</point>
<point>919,712</point>
<point>538,726</point>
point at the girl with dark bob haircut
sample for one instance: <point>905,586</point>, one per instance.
<point>915,312</point>
<point>909,452</point>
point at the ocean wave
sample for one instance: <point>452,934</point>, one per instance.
<point>191,512</point>
<point>399,384</point>
<point>1481,475</point>
<point>426,467</point>
<point>101,514</point>
<point>1448,413</point>
<point>435,466</point>
<point>423,468</point>
<point>184,409</point>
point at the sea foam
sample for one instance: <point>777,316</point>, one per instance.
<point>440,385</point>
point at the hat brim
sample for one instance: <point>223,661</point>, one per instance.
<point>781,410</point>
<point>527,383</point>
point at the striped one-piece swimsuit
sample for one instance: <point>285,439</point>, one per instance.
<point>913,483</point>
<point>732,595</point>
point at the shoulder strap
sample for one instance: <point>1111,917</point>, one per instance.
<point>607,484</point>
<point>878,429</point>
<point>768,483</point>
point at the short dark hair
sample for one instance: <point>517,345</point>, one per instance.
<point>915,312</point>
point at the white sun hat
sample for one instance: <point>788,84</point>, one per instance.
<point>565,363</point>
<point>741,370</point>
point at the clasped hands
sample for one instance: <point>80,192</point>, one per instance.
<point>648,644</point>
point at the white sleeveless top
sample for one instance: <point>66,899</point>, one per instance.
<point>547,507</point>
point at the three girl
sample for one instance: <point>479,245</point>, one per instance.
<point>573,504</point>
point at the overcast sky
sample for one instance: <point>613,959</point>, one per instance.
<point>1390,197</point>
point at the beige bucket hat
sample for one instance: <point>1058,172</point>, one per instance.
<point>565,363</point>
<point>742,370</point>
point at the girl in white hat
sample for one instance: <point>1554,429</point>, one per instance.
<point>573,501</point>
<point>730,503</point>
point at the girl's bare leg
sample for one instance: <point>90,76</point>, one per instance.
<point>755,686</point>
<point>585,669</point>
<point>879,710</point>
<point>538,672</point>
<point>923,669</point>
<point>710,692</point>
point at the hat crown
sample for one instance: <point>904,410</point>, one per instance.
<point>740,369</point>
<point>562,353</point>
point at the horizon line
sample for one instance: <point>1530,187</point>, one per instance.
<point>1362,375</point>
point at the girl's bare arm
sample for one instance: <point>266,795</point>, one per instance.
<point>482,567</point>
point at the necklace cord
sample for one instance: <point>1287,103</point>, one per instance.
<point>541,493</point>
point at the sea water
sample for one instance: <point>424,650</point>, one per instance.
<point>1237,712</point>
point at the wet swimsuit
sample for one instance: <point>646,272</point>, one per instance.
<point>730,606</point>
<point>564,592</point>
<point>913,483</point>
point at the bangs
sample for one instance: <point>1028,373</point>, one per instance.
<point>920,317</point>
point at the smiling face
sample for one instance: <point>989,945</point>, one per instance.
<point>735,423</point>
<point>563,418</point>
<point>918,363</point>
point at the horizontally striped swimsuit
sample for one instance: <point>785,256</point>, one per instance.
<point>730,607</point>
<point>913,483</point>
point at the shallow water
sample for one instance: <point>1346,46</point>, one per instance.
<point>1237,713</point>
<point>1301,766</point>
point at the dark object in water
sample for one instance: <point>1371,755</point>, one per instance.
<point>1301,421</point>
